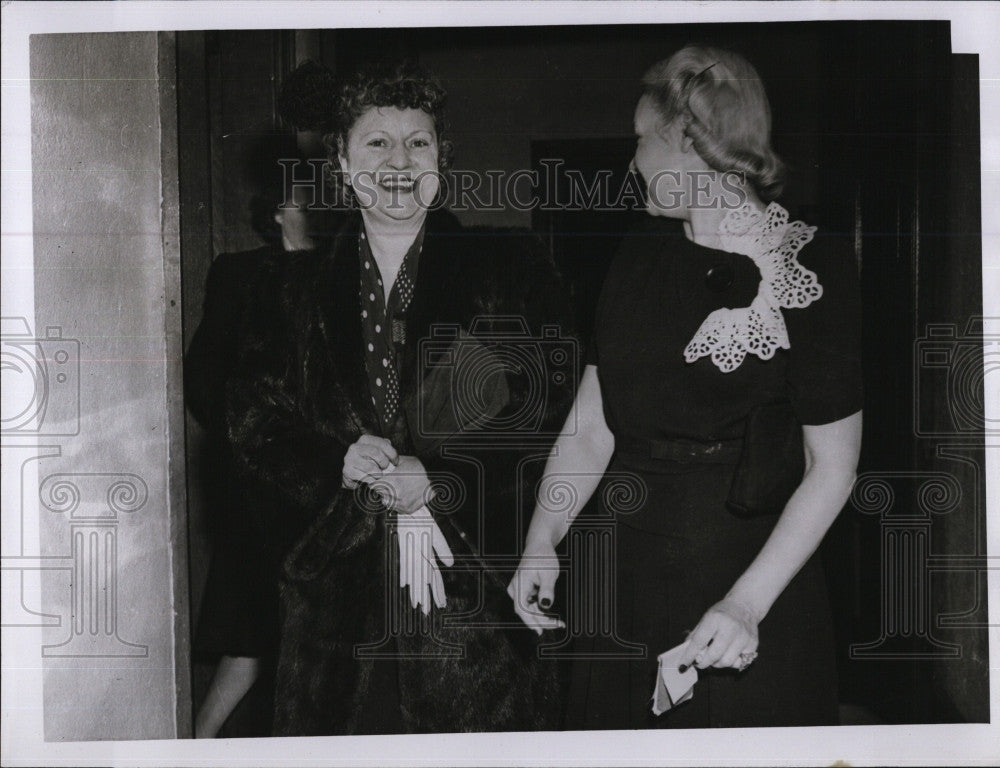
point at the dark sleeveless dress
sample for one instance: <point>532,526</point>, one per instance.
<point>682,550</point>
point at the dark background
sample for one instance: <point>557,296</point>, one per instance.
<point>879,123</point>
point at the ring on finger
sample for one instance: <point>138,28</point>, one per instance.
<point>746,659</point>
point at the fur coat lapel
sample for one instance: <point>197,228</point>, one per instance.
<point>339,322</point>
<point>434,300</point>
<point>339,304</point>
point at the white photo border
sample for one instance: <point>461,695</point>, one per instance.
<point>22,741</point>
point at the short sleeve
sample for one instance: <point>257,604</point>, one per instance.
<point>590,354</point>
<point>824,369</point>
<point>621,264</point>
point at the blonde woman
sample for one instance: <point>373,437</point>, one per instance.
<point>701,329</point>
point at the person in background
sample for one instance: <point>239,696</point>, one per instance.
<point>715,346</point>
<point>238,621</point>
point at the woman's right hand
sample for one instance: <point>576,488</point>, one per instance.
<point>578,459</point>
<point>366,459</point>
<point>533,587</point>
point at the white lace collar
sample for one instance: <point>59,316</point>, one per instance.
<point>773,243</point>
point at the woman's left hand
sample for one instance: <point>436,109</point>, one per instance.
<point>404,488</point>
<point>726,636</point>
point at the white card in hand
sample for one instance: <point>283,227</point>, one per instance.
<point>673,687</point>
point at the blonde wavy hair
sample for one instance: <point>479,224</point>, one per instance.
<point>721,100</point>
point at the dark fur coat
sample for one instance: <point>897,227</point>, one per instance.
<point>299,397</point>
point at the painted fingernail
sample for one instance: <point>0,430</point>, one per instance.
<point>545,602</point>
<point>683,668</point>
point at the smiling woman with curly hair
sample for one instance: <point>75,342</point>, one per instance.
<point>402,86</point>
<point>394,617</point>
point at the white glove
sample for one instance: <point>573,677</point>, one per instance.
<point>421,544</point>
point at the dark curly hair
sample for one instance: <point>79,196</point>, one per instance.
<point>306,100</point>
<point>400,84</point>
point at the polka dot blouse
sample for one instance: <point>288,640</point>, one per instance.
<point>383,325</point>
